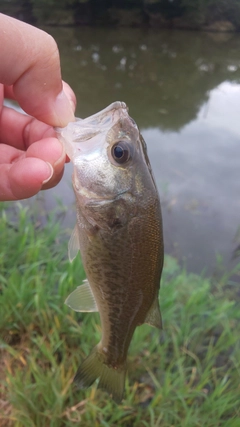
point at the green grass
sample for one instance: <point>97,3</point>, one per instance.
<point>189,375</point>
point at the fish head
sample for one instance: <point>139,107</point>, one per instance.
<point>108,153</point>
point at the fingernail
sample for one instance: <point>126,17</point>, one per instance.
<point>63,110</point>
<point>61,157</point>
<point>50,173</point>
<point>73,106</point>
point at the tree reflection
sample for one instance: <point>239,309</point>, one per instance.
<point>164,77</point>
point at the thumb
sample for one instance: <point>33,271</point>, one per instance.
<point>30,64</point>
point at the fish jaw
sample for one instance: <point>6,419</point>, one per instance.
<point>86,135</point>
<point>88,144</point>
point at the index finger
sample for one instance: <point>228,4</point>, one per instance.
<point>30,63</point>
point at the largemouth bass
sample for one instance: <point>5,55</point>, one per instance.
<point>119,235</point>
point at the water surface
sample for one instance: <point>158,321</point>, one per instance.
<point>183,90</point>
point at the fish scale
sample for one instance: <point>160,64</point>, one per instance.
<point>119,235</point>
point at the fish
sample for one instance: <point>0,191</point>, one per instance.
<point>119,235</point>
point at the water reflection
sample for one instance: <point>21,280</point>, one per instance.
<point>183,91</point>
<point>164,76</point>
<point>200,164</point>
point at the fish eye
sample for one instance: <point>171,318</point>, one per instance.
<point>121,152</point>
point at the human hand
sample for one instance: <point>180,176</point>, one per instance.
<point>31,157</point>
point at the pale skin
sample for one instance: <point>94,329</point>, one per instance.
<point>31,157</point>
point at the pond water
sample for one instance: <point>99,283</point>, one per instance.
<point>183,90</point>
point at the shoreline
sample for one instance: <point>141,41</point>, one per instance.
<point>117,18</point>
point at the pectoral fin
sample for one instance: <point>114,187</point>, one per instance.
<point>82,299</point>
<point>154,317</point>
<point>73,245</point>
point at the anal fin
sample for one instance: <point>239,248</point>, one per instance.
<point>82,299</point>
<point>154,317</point>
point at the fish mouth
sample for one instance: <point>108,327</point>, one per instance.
<point>115,106</point>
<point>91,195</point>
<point>85,135</point>
<point>102,118</point>
<point>99,123</point>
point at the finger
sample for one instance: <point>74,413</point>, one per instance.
<point>20,130</point>
<point>28,134</point>
<point>49,150</point>
<point>23,179</point>
<point>9,154</point>
<point>32,67</point>
<point>70,95</point>
<point>54,180</point>
<point>9,94</point>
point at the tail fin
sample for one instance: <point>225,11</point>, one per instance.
<point>111,379</point>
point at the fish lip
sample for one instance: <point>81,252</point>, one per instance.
<point>91,127</point>
<point>87,135</point>
<point>113,106</point>
<point>117,105</point>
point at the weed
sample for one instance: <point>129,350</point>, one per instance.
<point>187,376</point>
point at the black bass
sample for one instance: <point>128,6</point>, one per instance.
<point>119,235</point>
